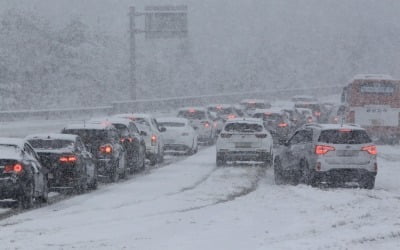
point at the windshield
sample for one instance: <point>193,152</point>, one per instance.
<point>335,136</point>
<point>243,127</point>
<point>51,144</point>
<point>89,136</point>
<point>172,124</point>
<point>192,114</point>
<point>122,130</point>
<point>377,88</point>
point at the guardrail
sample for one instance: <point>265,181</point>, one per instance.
<point>160,104</point>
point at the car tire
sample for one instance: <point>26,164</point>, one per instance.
<point>221,161</point>
<point>278,173</point>
<point>367,182</point>
<point>26,199</point>
<point>45,193</point>
<point>160,156</point>
<point>124,165</point>
<point>153,159</point>
<point>306,175</point>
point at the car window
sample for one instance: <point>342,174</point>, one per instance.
<point>301,136</point>
<point>51,143</point>
<point>243,127</point>
<point>133,128</point>
<point>192,114</point>
<point>344,136</point>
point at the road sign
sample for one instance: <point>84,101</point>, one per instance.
<point>166,22</point>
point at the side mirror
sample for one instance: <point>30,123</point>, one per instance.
<point>163,129</point>
<point>143,133</point>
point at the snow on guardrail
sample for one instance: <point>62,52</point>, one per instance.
<point>146,105</point>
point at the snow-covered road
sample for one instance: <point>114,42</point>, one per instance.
<point>191,204</point>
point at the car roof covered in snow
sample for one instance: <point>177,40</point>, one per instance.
<point>253,101</point>
<point>90,125</point>
<point>52,136</point>
<point>372,77</point>
<point>14,152</point>
<point>245,120</point>
<point>225,106</point>
<point>334,126</point>
<point>172,119</point>
<point>12,141</point>
<point>114,120</point>
<point>193,108</point>
<point>270,110</point>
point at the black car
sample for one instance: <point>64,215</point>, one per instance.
<point>22,177</point>
<point>276,122</point>
<point>133,142</point>
<point>103,142</point>
<point>70,165</point>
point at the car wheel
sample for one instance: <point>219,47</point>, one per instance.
<point>45,192</point>
<point>160,155</point>
<point>123,164</point>
<point>153,159</point>
<point>367,182</point>
<point>305,174</point>
<point>26,199</point>
<point>278,173</point>
<point>221,161</point>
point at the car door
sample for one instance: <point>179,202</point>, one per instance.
<point>289,152</point>
<point>87,161</point>
<point>299,147</point>
<point>38,170</point>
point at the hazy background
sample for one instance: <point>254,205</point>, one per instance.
<point>69,53</point>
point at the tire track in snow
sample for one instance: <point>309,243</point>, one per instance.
<point>254,182</point>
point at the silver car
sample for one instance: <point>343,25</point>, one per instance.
<point>327,153</point>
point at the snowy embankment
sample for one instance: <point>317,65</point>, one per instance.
<point>191,204</point>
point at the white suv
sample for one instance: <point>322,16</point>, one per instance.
<point>329,153</point>
<point>244,139</point>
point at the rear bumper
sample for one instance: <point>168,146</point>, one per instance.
<point>105,166</point>
<point>177,147</point>
<point>343,175</point>
<point>10,188</point>
<point>258,155</point>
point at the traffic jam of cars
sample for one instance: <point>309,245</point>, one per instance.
<point>305,142</point>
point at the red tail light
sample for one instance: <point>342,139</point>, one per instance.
<point>323,149</point>
<point>215,124</point>
<point>370,149</point>
<point>106,149</point>
<point>317,113</point>
<point>282,125</point>
<point>225,135</point>
<point>153,140</point>
<point>309,120</point>
<point>16,168</point>
<point>230,117</point>
<point>261,135</point>
<point>126,140</point>
<point>206,124</point>
<point>345,130</point>
<point>68,159</point>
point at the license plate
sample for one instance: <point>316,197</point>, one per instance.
<point>347,153</point>
<point>243,144</point>
<point>50,176</point>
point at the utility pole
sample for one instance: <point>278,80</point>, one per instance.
<point>132,57</point>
